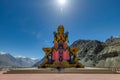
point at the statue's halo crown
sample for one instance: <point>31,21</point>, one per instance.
<point>60,27</point>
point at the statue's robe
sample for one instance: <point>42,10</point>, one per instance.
<point>56,55</point>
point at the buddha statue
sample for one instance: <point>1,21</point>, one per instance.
<point>61,55</point>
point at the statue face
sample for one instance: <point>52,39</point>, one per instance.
<point>60,31</point>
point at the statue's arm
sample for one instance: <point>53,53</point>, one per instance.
<point>66,37</point>
<point>55,37</point>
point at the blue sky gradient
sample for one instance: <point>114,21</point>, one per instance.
<point>26,26</point>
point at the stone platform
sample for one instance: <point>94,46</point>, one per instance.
<point>61,71</point>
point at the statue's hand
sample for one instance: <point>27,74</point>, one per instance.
<point>65,45</point>
<point>56,45</point>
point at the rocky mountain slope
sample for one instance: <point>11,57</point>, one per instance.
<point>39,62</point>
<point>89,49</point>
<point>94,53</point>
<point>110,55</point>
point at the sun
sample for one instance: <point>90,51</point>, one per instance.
<point>62,2</point>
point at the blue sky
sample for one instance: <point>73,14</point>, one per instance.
<point>26,26</point>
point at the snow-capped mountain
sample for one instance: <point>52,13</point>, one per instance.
<point>113,38</point>
<point>3,53</point>
<point>19,56</point>
<point>18,61</point>
<point>8,60</point>
<point>25,61</point>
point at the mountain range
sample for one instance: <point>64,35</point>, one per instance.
<point>7,60</point>
<point>92,53</point>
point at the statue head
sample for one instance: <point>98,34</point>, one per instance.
<point>60,29</point>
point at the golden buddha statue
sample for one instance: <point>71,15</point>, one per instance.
<point>60,38</point>
<point>61,55</point>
